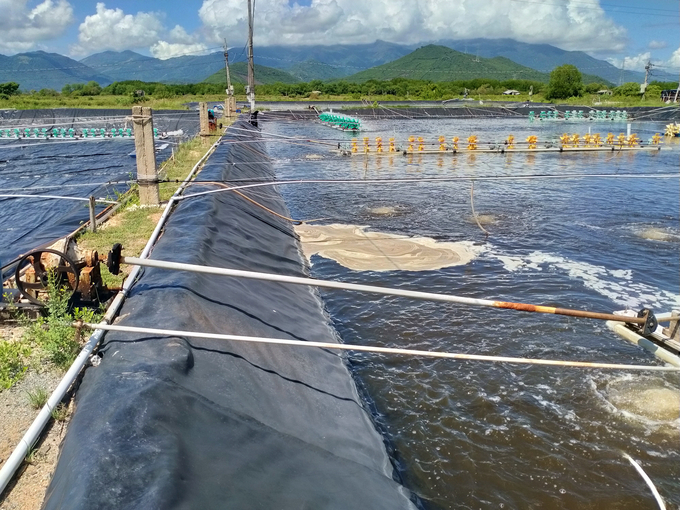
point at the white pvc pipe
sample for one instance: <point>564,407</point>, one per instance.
<point>641,341</point>
<point>384,350</point>
<point>33,433</point>
<point>62,198</point>
<point>648,481</point>
<point>253,275</point>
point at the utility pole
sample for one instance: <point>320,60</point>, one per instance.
<point>251,65</point>
<point>643,88</point>
<point>228,108</point>
<point>623,71</point>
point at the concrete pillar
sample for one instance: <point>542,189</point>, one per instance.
<point>205,123</point>
<point>147,174</point>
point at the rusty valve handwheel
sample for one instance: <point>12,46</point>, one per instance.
<point>66,274</point>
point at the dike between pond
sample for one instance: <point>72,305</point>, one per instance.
<point>178,423</point>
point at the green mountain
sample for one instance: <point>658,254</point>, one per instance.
<point>40,70</point>
<point>128,65</point>
<point>545,58</point>
<point>263,75</point>
<point>314,70</point>
<point>438,63</point>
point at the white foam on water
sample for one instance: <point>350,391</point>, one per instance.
<point>615,284</point>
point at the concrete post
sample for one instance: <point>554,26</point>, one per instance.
<point>93,215</point>
<point>205,123</point>
<point>147,173</point>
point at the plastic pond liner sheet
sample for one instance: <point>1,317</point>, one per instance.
<point>70,167</point>
<point>178,423</point>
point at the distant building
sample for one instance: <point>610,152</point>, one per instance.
<point>604,92</point>
<point>511,92</point>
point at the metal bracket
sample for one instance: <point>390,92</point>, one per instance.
<point>113,260</point>
<point>650,324</point>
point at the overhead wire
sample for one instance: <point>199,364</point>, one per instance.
<point>435,179</point>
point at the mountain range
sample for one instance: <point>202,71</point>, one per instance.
<point>37,70</point>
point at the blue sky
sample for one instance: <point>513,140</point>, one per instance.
<point>611,29</point>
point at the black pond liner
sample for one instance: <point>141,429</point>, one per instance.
<point>26,223</point>
<point>179,423</point>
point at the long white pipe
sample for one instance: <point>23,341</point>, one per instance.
<point>387,291</point>
<point>384,350</point>
<point>33,433</point>
<point>254,275</point>
<point>62,198</point>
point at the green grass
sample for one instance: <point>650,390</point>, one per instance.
<point>133,225</point>
<point>26,102</point>
<point>32,102</point>
<point>60,413</point>
<point>38,398</point>
<point>14,358</point>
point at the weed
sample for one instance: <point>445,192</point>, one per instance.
<point>13,362</point>
<point>60,413</point>
<point>54,334</point>
<point>38,398</point>
<point>31,456</point>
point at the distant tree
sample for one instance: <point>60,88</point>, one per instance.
<point>92,88</point>
<point>630,89</point>
<point>9,89</point>
<point>47,93</point>
<point>593,88</point>
<point>161,91</point>
<point>653,92</point>
<point>565,82</point>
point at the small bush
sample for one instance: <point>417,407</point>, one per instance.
<point>13,362</point>
<point>54,334</point>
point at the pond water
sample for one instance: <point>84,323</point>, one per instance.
<point>482,435</point>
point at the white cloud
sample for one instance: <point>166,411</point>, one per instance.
<point>634,63</point>
<point>181,43</point>
<point>22,27</point>
<point>569,24</point>
<point>657,45</point>
<point>112,29</point>
<point>165,50</point>
<point>674,61</point>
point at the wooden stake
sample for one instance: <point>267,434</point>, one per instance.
<point>93,216</point>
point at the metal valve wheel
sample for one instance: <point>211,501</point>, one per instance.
<point>32,275</point>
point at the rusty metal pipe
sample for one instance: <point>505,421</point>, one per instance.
<point>645,318</point>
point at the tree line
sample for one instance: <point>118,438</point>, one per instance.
<point>565,82</point>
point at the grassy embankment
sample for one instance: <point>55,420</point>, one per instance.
<point>49,343</point>
<point>28,102</point>
<point>132,225</point>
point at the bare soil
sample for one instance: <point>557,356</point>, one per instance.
<point>27,489</point>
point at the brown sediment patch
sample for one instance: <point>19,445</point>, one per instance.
<point>645,399</point>
<point>484,219</point>
<point>354,248</point>
<point>383,211</point>
<point>658,234</point>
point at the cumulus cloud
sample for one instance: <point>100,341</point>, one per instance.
<point>674,61</point>
<point>634,63</point>
<point>22,27</point>
<point>180,43</point>
<point>657,45</point>
<point>569,24</point>
<point>112,29</point>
